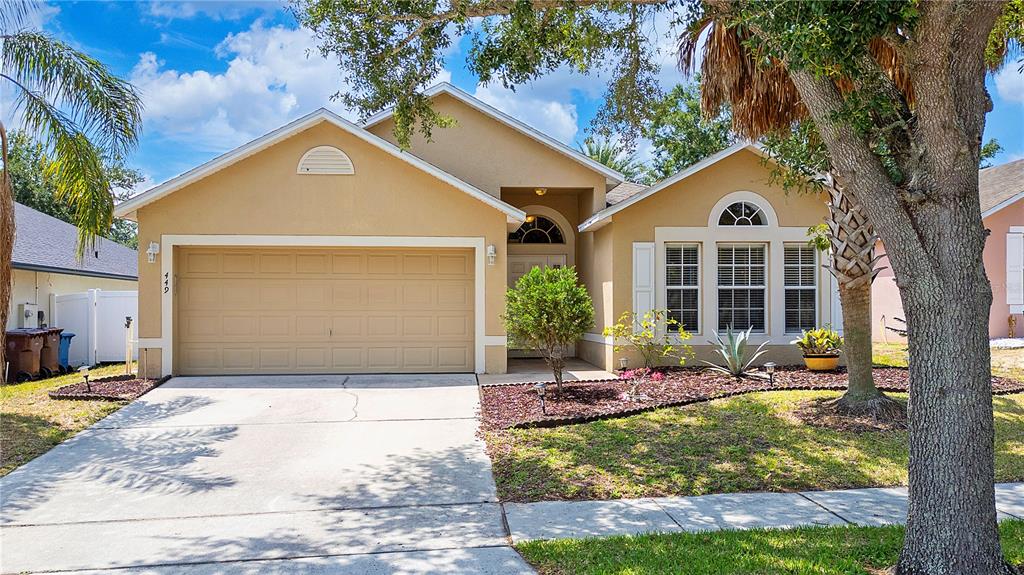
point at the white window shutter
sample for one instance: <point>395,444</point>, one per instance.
<point>1015,269</point>
<point>643,277</point>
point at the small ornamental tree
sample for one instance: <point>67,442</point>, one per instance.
<point>548,310</point>
<point>649,336</point>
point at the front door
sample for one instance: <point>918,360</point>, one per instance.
<point>518,266</point>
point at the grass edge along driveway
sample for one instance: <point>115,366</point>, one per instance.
<point>31,423</point>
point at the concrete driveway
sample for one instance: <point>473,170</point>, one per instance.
<point>258,474</point>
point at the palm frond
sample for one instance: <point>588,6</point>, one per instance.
<point>77,167</point>
<point>106,108</point>
<point>15,14</point>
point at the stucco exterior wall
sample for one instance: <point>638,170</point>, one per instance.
<point>688,204</point>
<point>36,287</point>
<point>491,155</point>
<point>885,295</point>
<point>263,195</point>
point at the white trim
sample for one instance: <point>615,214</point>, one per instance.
<point>1016,229</point>
<point>488,110</point>
<point>127,208</point>
<point>495,340</point>
<point>600,219</point>
<point>709,238</point>
<point>167,279</point>
<point>1005,203</point>
<point>743,196</point>
<point>598,338</point>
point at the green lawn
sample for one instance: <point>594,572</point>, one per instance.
<point>745,443</point>
<point>1005,362</point>
<point>31,423</point>
<point>805,551</point>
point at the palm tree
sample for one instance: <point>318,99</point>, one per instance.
<point>615,156</point>
<point>731,75</point>
<point>78,110</point>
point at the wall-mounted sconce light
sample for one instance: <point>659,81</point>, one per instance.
<point>154,248</point>
<point>492,254</point>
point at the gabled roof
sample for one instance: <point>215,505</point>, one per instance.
<point>611,175</point>
<point>44,243</point>
<point>600,219</point>
<point>623,192</point>
<point>1001,186</point>
<point>127,208</point>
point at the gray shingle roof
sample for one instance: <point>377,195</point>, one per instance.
<point>43,242</point>
<point>1000,183</point>
<point>623,191</point>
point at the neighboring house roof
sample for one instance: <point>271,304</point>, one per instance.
<point>600,219</point>
<point>613,176</point>
<point>1001,186</point>
<point>127,208</point>
<point>623,192</point>
<point>44,243</point>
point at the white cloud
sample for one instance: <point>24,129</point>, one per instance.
<point>1010,83</point>
<point>554,116</point>
<point>273,75</point>
<point>215,10</point>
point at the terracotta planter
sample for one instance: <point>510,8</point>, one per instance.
<point>821,362</point>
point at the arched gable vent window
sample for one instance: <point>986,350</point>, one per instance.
<point>742,214</point>
<point>537,230</point>
<point>326,160</point>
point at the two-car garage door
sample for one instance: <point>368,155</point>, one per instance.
<point>287,310</point>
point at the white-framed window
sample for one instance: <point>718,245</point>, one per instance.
<point>537,230</point>
<point>682,286</point>
<point>801,285</point>
<point>742,282</point>
<point>742,214</point>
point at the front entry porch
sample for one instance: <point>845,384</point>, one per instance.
<point>535,370</point>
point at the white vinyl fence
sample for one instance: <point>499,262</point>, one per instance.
<point>97,319</point>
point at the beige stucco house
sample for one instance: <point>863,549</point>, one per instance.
<point>322,247</point>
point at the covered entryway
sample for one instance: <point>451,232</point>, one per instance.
<point>242,310</point>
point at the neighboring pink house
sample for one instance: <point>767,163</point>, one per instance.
<point>1002,206</point>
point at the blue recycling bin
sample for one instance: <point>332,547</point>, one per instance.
<point>64,352</point>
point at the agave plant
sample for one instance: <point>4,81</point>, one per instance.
<point>733,350</point>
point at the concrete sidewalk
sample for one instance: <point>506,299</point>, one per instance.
<point>869,507</point>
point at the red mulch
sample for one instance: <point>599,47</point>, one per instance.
<point>506,406</point>
<point>114,388</point>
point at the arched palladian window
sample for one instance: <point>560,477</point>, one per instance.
<point>537,230</point>
<point>742,214</point>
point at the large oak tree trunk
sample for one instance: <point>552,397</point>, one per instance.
<point>951,520</point>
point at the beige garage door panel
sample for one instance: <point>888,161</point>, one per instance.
<point>324,310</point>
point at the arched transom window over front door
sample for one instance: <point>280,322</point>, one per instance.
<point>537,230</point>
<point>742,214</point>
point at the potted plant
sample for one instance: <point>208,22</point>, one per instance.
<point>820,348</point>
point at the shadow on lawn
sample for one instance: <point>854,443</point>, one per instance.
<point>734,445</point>
<point>125,458</point>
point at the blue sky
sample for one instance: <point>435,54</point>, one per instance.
<point>215,75</point>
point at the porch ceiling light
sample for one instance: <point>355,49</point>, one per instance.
<point>540,191</point>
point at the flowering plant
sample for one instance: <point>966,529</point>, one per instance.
<point>638,376</point>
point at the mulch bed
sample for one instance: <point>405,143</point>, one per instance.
<point>517,406</point>
<point>114,388</point>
